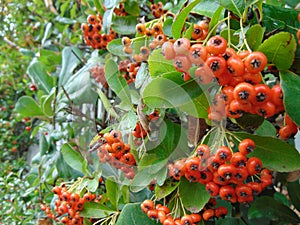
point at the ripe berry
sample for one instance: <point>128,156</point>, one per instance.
<point>168,50</point>
<point>216,45</point>
<point>197,54</point>
<point>182,63</point>
<point>246,146</point>
<point>254,165</point>
<point>255,62</point>
<point>223,154</point>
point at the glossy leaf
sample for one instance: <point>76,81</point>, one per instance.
<point>250,121</point>
<point>280,49</point>
<point>215,17</point>
<point>266,129</point>
<point>40,77</point>
<point>236,6</point>
<point>193,195</point>
<point>170,91</point>
<point>180,19</point>
<point>108,107</point>
<point>254,36</point>
<point>197,108</point>
<point>167,188</point>
<point>132,7</point>
<point>290,84</point>
<point>206,8</point>
<point>268,207</point>
<point>74,159</point>
<point>158,65</point>
<point>27,106</point>
<point>274,153</point>
<point>294,194</point>
<point>116,82</point>
<point>124,24</point>
<point>107,19</point>
<point>70,60</point>
<point>132,214</point>
<point>47,105</point>
<point>95,210</point>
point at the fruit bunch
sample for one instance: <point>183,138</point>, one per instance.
<point>289,129</point>
<point>157,9</point>
<point>162,213</point>
<point>92,33</point>
<point>129,70</point>
<point>114,151</point>
<point>97,73</point>
<point>68,205</point>
<point>234,177</point>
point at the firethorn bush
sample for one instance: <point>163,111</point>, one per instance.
<point>162,112</point>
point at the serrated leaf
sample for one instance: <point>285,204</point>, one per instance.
<point>40,77</point>
<point>116,82</point>
<point>27,106</point>
<point>74,159</point>
<point>290,84</point>
<point>193,195</point>
<point>268,207</point>
<point>280,49</point>
<point>274,153</point>
<point>95,210</point>
<point>180,19</point>
<point>132,214</point>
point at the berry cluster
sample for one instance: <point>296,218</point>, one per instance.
<point>68,206</point>
<point>98,74</point>
<point>139,131</point>
<point>129,70</point>
<point>226,174</point>
<point>245,97</point>
<point>157,9</point>
<point>121,10</point>
<point>200,30</point>
<point>289,129</point>
<point>162,213</point>
<point>92,33</point>
<point>117,153</point>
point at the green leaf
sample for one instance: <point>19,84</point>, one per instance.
<point>234,37</point>
<point>110,110</point>
<point>132,214</point>
<point>266,129</point>
<point>197,108</point>
<point>27,106</point>
<point>115,47</point>
<point>112,191</point>
<point>275,17</point>
<point>254,36</point>
<point>107,19</point>
<point>216,17</point>
<point>167,27</point>
<point>171,91</point>
<point>268,207</point>
<point>43,144</point>
<point>132,8</point>
<point>274,153</point>
<point>290,84</point>
<point>193,195</point>
<point>116,82</point>
<point>236,6</point>
<point>230,221</point>
<point>180,19</point>
<point>48,104</point>
<point>206,8</point>
<point>146,174</point>
<point>40,77</point>
<point>95,210</point>
<point>74,159</point>
<point>125,194</point>
<point>280,49</point>
<point>99,6</point>
<point>167,188</point>
<point>188,33</point>
<point>142,75</point>
<point>124,24</point>
<point>250,121</point>
<point>158,65</point>
<point>294,194</point>
<point>70,60</point>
